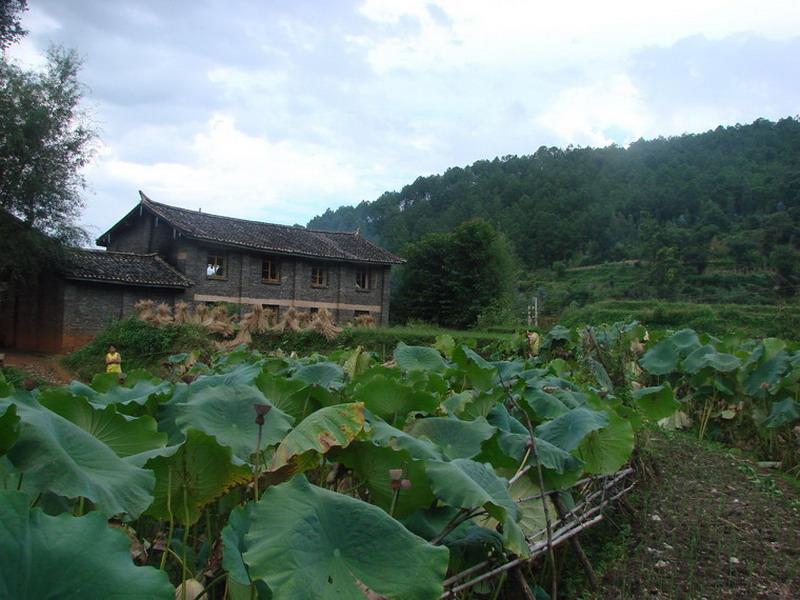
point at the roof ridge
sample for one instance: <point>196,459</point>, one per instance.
<point>100,251</point>
<point>147,200</point>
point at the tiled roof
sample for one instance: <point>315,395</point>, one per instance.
<point>283,239</point>
<point>122,267</point>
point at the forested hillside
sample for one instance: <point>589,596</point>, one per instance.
<point>731,195</point>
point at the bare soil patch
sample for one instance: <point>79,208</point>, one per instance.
<point>45,367</point>
<point>706,523</point>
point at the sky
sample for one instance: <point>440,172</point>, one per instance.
<point>277,110</point>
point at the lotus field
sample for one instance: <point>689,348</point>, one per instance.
<point>269,476</point>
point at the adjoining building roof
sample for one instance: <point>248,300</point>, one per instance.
<point>268,237</point>
<point>122,267</point>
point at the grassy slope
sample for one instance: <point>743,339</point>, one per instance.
<point>720,301</point>
<point>706,523</point>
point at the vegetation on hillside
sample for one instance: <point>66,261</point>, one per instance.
<point>453,279</point>
<point>734,190</point>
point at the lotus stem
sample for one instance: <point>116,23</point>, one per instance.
<point>261,412</point>
<point>171,519</point>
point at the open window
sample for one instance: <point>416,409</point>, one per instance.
<point>319,276</point>
<point>270,270</point>
<point>216,267</point>
<point>365,279</point>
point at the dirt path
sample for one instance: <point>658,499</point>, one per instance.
<point>708,524</point>
<point>39,366</point>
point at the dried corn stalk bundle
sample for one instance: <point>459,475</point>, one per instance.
<point>257,320</point>
<point>365,321</point>
<point>289,321</point>
<point>201,315</point>
<point>182,313</point>
<point>323,323</point>
<point>145,309</point>
<point>163,314</point>
<point>304,319</point>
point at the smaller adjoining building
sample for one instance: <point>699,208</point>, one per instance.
<point>167,254</point>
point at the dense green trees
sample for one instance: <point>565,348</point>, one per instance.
<point>729,194</point>
<point>45,141</point>
<point>453,279</point>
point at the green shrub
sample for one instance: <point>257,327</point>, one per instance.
<point>140,344</point>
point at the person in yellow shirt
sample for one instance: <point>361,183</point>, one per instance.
<point>113,360</point>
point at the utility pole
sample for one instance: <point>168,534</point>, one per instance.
<point>533,311</point>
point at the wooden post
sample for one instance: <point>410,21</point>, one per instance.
<point>576,545</point>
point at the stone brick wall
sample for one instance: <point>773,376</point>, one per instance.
<point>242,282</point>
<point>90,307</point>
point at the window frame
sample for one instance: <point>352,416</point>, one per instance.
<point>275,269</point>
<point>370,278</point>
<point>324,271</point>
<point>224,257</point>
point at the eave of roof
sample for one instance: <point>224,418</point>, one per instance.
<point>143,270</point>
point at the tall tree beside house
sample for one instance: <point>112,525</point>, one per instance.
<point>10,27</point>
<point>45,140</point>
<point>452,279</point>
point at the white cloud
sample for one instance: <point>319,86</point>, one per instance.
<point>595,114</point>
<point>239,175</point>
<point>541,35</point>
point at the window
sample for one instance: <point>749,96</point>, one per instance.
<point>365,279</point>
<point>215,268</point>
<point>319,276</point>
<point>269,271</point>
<point>273,312</point>
<point>313,310</point>
<point>360,313</point>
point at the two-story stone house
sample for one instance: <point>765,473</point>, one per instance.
<point>168,254</point>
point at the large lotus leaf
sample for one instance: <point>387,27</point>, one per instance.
<point>289,395</point>
<point>604,451</point>
<point>372,463</point>
<point>482,404</point>
<point>456,438</point>
<point>200,471</point>
<point>329,427</point>
<point>480,372</point>
<point>309,543</point>
<point>357,362</point>
<point>569,429</point>
<point>232,560</point>
<point>327,375</point>
<point>661,359</point>
<point>122,395</point>
<point>706,357</point>
<point>242,374</point>
<point>543,404</point>
<point>418,358</point>
<point>526,494</point>
<point>9,428</point>
<point>508,450</point>
<point>767,374</point>
<point>391,399</point>
<point>463,483</point>
<point>126,436</point>
<point>58,456</point>
<point>385,435</point>
<point>657,402</point>
<point>500,418</point>
<point>68,557</point>
<point>685,340</point>
<point>600,374</point>
<point>783,412</point>
<point>227,413</point>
